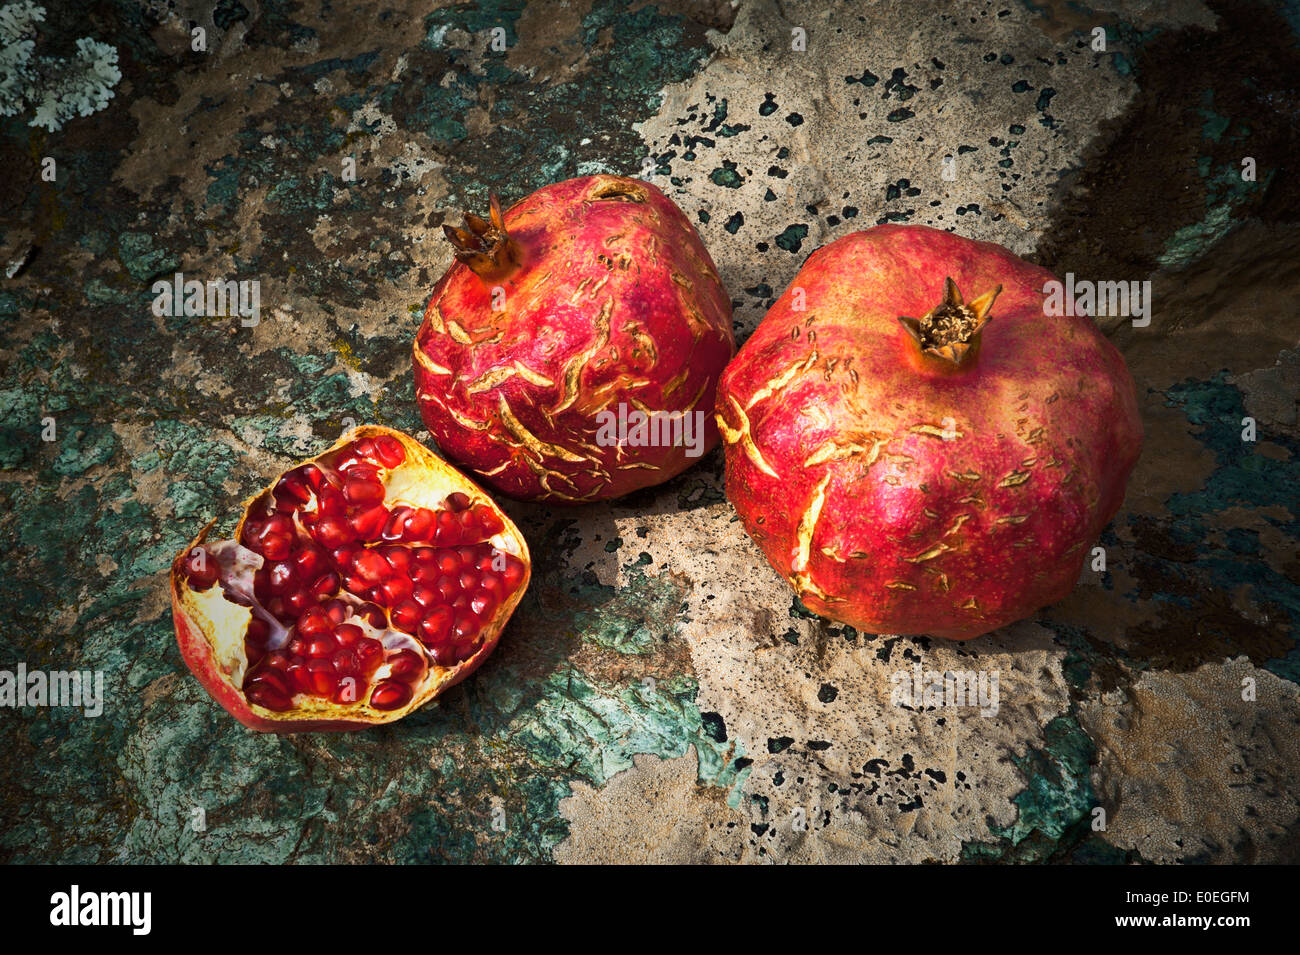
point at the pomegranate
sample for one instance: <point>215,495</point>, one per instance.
<point>359,585</point>
<point>938,475</point>
<point>573,349</point>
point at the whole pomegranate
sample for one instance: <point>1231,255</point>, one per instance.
<point>572,351</point>
<point>942,474</point>
<point>359,586</point>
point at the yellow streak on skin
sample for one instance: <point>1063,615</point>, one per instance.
<point>489,379</point>
<point>1013,519</point>
<point>458,334</point>
<point>1014,478</point>
<point>642,341</point>
<point>465,422</point>
<point>533,377</point>
<point>808,526</point>
<point>569,393</point>
<point>965,475</point>
<point>834,451</point>
<point>531,441</point>
<point>639,464</point>
<point>961,519</point>
<point>971,604</point>
<point>900,585</point>
<point>741,434</point>
<point>781,380</point>
<point>498,469</point>
<point>935,432</point>
<point>676,381</point>
<point>935,551</point>
<point>428,364</point>
<point>436,321</point>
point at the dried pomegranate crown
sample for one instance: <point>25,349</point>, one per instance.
<point>950,331</point>
<point>485,246</point>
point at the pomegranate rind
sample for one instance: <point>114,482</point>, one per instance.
<point>898,496</point>
<point>616,302</point>
<point>210,628</point>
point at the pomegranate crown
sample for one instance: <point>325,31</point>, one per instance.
<point>950,332</point>
<point>484,245</point>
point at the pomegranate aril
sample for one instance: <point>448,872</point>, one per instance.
<point>465,626</point>
<point>389,451</point>
<point>276,660</point>
<point>483,603</point>
<point>373,614</point>
<point>424,555</point>
<point>425,596</point>
<point>347,691</point>
<point>326,585</point>
<point>419,525</point>
<point>369,521</point>
<point>299,601</point>
<point>468,580</point>
<point>313,476</point>
<point>396,523</point>
<point>390,695</point>
<point>300,678</point>
<point>323,677</point>
<point>297,646</point>
<point>395,590</point>
<point>425,574</point>
<point>259,631</point>
<point>446,531</point>
<point>406,615</point>
<point>448,562</point>
<point>447,587</point>
<point>470,528</point>
<point>468,556</point>
<point>356,584</point>
<point>254,652</point>
<point>265,695</point>
<point>347,634</point>
<point>444,654</point>
<point>369,652</point>
<point>458,501</point>
<point>201,569</point>
<point>493,583</point>
<point>359,471</point>
<point>370,567</point>
<point>436,626</point>
<point>333,532</point>
<point>399,559</point>
<point>336,611</point>
<point>365,448</point>
<point>293,487</point>
<point>274,679</point>
<point>514,572</point>
<point>405,665</point>
<point>331,502</point>
<point>308,563</point>
<point>322,645</point>
<point>345,662</point>
<point>363,492</point>
<point>489,521</point>
<point>314,621</point>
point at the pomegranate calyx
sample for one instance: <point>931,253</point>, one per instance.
<point>485,246</point>
<point>950,332</point>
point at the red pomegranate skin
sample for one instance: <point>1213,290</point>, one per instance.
<point>898,494</point>
<point>614,301</point>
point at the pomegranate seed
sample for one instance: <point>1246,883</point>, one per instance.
<point>347,690</point>
<point>343,556</point>
<point>345,662</point>
<point>201,569</point>
<point>514,572</point>
<point>265,695</point>
<point>389,451</point>
<point>436,626</point>
<point>313,476</point>
<point>347,634</point>
<point>370,567</point>
<point>297,647</point>
<point>322,645</point>
<point>250,536</point>
<point>333,532</point>
<point>419,525</point>
<point>465,626</point>
<point>390,695</point>
<point>448,562</point>
<point>323,679</point>
<point>331,503</point>
<point>447,587</point>
<point>461,602</point>
<point>463,651</point>
<point>446,532</point>
<point>254,653</point>
<point>274,679</point>
<point>395,589</point>
<point>406,616</point>
<point>360,471</point>
<point>369,521</point>
<point>396,523</point>
<point>369,652</point>
<point>365,448</point>
<point>314,621</point>
<point>309,562</point>
<point>259,631</point>
<point>355,584</point>
<point>278,660</point>
<point>399,558</point>
<point>468,556</point>
<point>373,615</point>
<point>405,665</point>
<point>424,555</point>
<point>336,611</point>
<point>483,603</point>
<point>281,576</point>
<point>469,525</point>
<point>300,678</point>
<point>444,654</point>
<point>363,492</point>
<point>489,520</point>
<point>468,580</point>
<point>492,583</point>
<point>299,601</point>
<point>293,487</point>
<point>326,585</point>
<point>458,501</point>
<point>425,596</point>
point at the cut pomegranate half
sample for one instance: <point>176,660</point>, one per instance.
<point>358,586</point>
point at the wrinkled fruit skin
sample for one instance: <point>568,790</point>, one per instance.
<point>359,585</point>
<point>899,499</point>
<point>615,302</point>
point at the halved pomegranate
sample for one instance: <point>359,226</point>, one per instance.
<point>360,585</point>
